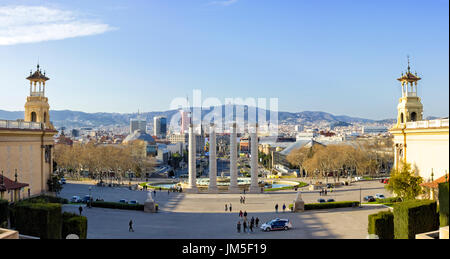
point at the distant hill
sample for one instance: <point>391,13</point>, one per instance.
<point>70,118</point>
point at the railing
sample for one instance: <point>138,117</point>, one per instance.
<point>427,124</point>
<point>20,124</point>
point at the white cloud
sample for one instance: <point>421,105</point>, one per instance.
<point>224,2</point>
<point>28,24</point>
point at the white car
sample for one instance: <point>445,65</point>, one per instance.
<point>276,224</point>
<point>75,199</point>
<point>380,196</point>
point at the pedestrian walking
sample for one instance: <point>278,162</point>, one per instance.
<point>168,192</point>
<point>325,192</point>
<point>251,227</point>
<point>257,221</point>
<point>226,207</point>
<point>243,201</point>
<point>245,213</point>
<point>130,229</point>
<point>239,227</point>
<point>154,193</point>
<point>240,214</point>
<point>276,208</point>
<point>244,225</point>
<point>230,207</point>
<point>252,221</point>
<point>80,209</point>
<point>284,207</point>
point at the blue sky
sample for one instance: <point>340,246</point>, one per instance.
<point>341,57</point>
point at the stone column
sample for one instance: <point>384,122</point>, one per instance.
<point>254,187</point>
<point>233,161</point>
<point>192,184</point>
<point>212,188</point>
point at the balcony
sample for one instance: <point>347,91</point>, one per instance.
<point>7,124</point>
<point>441,123</point>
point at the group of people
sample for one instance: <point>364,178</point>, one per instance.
<point>228,207</point>
<point>245,224</point>
<point>242,199</point>
<point>323,192</point>
<point>276,207</point>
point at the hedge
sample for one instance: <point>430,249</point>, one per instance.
<point>3,212</point>
<point>37,219</point>
<point>117,205</point>
<point>47,199</point>
<point>331,205</point>
<point>382,225</point>
<point>415,217</point>
<point>443,204</point>
<point>74,224</point>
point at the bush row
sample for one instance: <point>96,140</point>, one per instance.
<point>415,217</point>
<point>74,224</point>
<point>47,199</point>
<point>117,205</point>
<point>382,225</point>
<point>3,213</point>
<point>443,204</point>
<point>331,205</point>
<point>37,219</point>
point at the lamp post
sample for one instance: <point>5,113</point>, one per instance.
<point>90,197</point>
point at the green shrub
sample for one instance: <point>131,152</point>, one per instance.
<point>415,217</point>
<point>382,225</point>
<point>443,204</point>
<point>47,199</point>
<point>42,220</point>
<point>4,204</point>
<point>331,205</point>
<point>117,205</point>
<point>74,224</point>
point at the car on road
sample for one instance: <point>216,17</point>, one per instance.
<point>133,202</point>
<point>86,199</point>
<point>367,198</point>
<point>380,196</point>
<point>123,201</point>
<point>330,200</point>
<point>276,224</point>
<point>321,200</point>
<point>75,199</point>
<point>329,185</point>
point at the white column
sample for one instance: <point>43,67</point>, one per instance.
<point>212,160</point>
<point>254,187</point>
<point>233,161</point>
<point>192,184</point>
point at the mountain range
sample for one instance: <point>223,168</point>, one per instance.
<point>74,119</point>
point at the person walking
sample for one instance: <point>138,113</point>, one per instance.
<point>243,200</point>
<point>284,207</point>
<point>245,214</point>
<point>230,207</point>
<point>257,221</point>
<point>252,221</point>
<point>240,214</point>
<point>251,227</point>
<point>239,227</point>
<point>130,229</point>
<point>80,209</point>
<point>276,208</point>
<point>325,192</point>
<point>244,225</point>
<point>226,207</point>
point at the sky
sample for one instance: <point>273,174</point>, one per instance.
<point>341,57</point>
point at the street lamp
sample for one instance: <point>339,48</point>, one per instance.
<point>90,197</point>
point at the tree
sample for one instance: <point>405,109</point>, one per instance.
<point>404,183</point>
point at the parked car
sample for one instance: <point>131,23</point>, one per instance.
<point>367,198</point>
<point>330,200</point>
<point>133,202</point>
<point>63,180</point>
<point>123,201</point>
<point>380,196</point>
<point>75,199</point>
<point>86,199</point>
<point>276,224</point>
<point>321,200</point>
<point>329,185</point>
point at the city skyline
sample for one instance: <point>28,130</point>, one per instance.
<point>339,58</point>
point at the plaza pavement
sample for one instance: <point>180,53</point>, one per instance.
<point>196,216</point>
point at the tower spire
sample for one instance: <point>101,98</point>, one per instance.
<point>409,68</point>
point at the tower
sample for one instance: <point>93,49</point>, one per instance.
<point>410,107</point>
<point>37,107</point>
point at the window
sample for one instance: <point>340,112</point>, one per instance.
<point>33,117</point>
<point>413,116</point>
